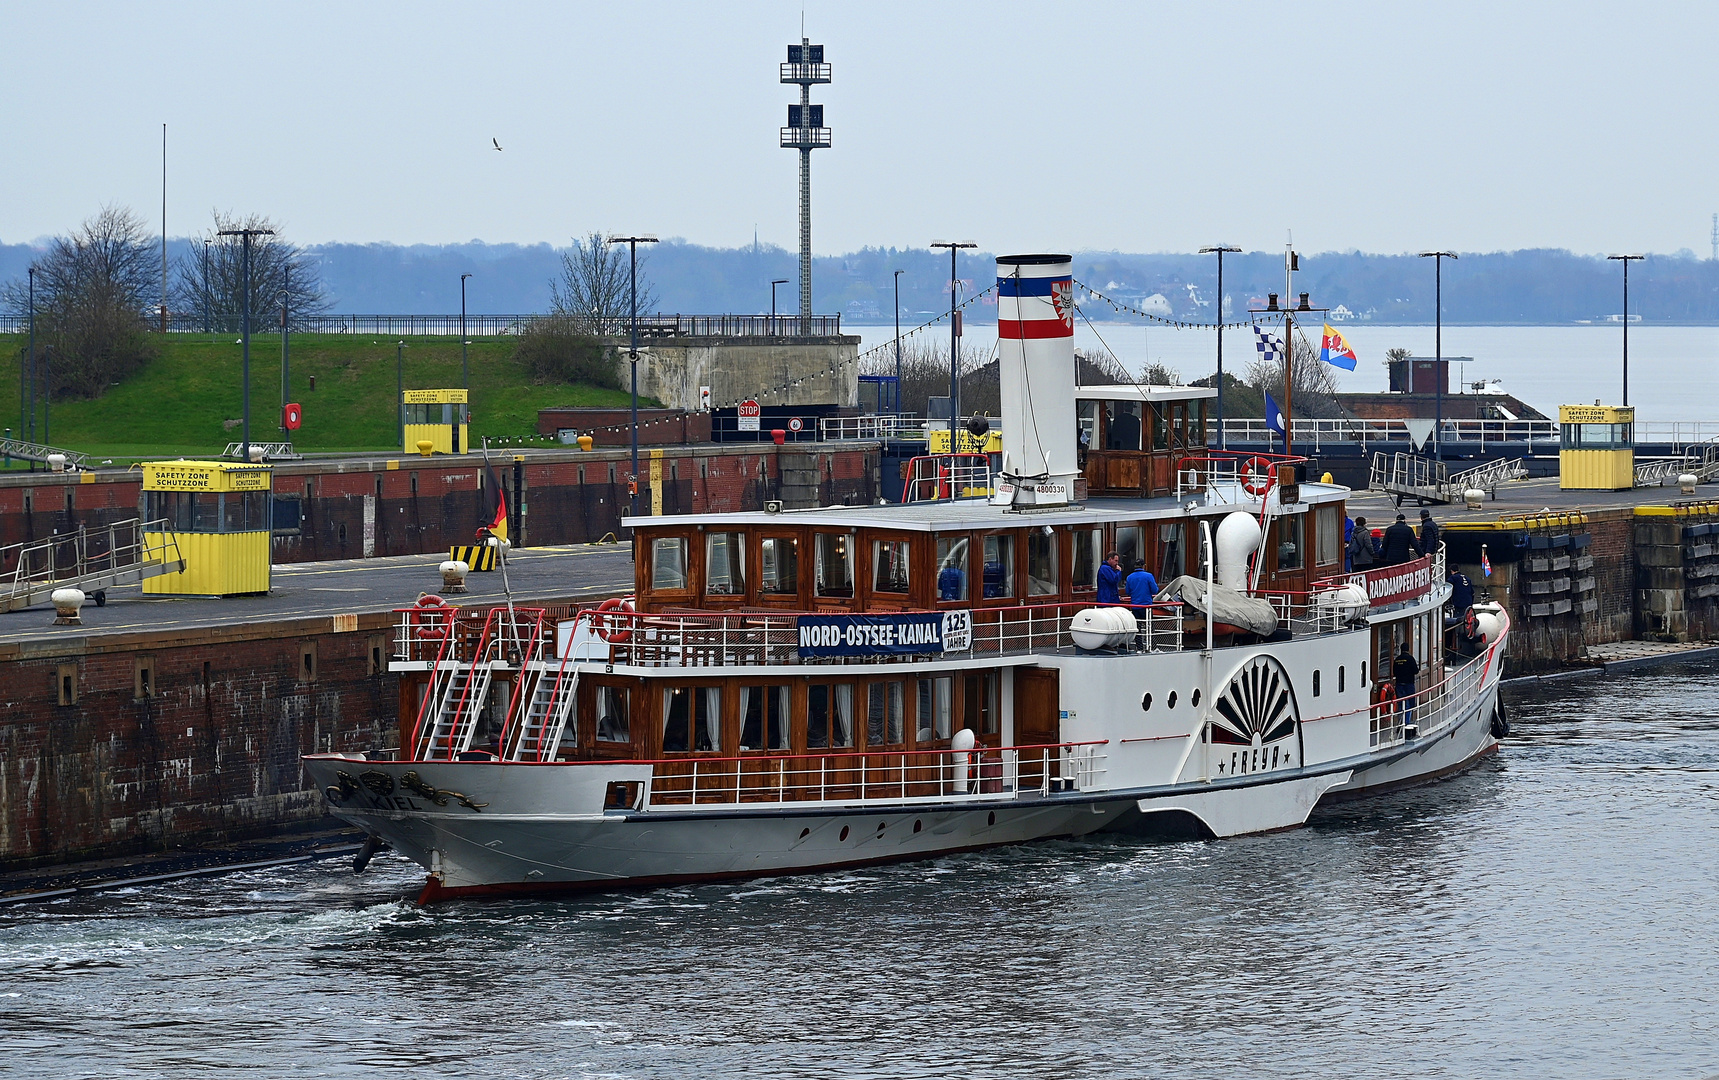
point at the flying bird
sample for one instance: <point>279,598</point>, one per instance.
<point>497,144</point>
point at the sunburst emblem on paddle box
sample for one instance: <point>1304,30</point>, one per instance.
<point>1257,707</point>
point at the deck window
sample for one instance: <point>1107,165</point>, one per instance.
<point>725,564</point>
<point>829,715</point>
<point>889,566</point>
<point>613,716</point>
<point>835,554</point>
<point>885,708</point>
<point>764,717</point>
<point>1169,551</point>
<point>981,706</point>
<point>668,562</point>
<point>779,564</point>
<point>692,719</point>
<point>952,568</point>
<point>1088,556</point>
<point>1329,536</point>
<point>1287,535</point>
<point>936,707</point>
<point>999,566</point>
<point>1122,424</point>
<point>1041,563</point>
<point>1129,545</point>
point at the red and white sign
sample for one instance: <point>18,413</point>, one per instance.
<point>796,424</point>
<point>750,412</point>
<point>1395,584</point>
<point>292,416</point>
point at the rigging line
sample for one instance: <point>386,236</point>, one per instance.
<point>1124,367</point>
<point>1177,323</point>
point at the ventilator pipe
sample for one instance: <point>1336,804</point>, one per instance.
<point>963,740</point>
<point>1238,537</point>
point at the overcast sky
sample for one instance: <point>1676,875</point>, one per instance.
<point>1021,126</point>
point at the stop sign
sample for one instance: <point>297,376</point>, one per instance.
<point>750,412</point>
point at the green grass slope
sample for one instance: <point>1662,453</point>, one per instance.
<point>182,402</point>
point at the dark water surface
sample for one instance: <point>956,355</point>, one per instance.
<point>1552,913</point>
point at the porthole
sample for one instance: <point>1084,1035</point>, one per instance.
<point>1194,699</point>
<point>992,819</point>
<point>880,826</point>
<point>1340,686</point>
<point>1170,702</point>
<point>916,824</point>
<point>1146,703</point>
<point>844,834</point>
<point>805,833</point>
<point>1315,682</point>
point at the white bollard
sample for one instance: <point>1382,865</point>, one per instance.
<point>454,573</point>
<point>1686,483</point>
<point>1473,497</point>
<point>67,602</point>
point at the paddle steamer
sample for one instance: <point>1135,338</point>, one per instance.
<point>798,691</point>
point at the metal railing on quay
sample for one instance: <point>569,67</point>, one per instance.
<point>653,325</point>
<point>1316,433</point>
<point>886,426</point>
<point>891,777</point>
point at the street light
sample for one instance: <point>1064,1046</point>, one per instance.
<point>400,390</point>
<point>30,368</point>
<point>954,338</point>
<point>1218,250</point>
<point>208,325</point>
<point>898,341</point>
<point>633,243</point>
<point>245,239</point>
<point>465,373</point>
<point>1438,258</point>
<point>773,284</point>
<point>1626,260</point>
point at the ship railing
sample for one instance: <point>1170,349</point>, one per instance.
<point>876,777</point>
<point>745,639</point>
<point>934,477</point>
<point>1433,709</point>
<point>1234,472</point>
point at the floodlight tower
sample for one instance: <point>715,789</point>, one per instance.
<point>805,132</point>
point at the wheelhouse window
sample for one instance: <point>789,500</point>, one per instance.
<point>1160,427</point>
<point>614,722</point>
<point>725,564</point>
<point>1088,547</point>
<point>999,566</point>
<point>1287,534</point>
<point>1041,563</point>
<point>1086,427</point>
<point>1122,424</point>
<point>692,719</point>
<point>668,562</point>
<point>829,715</point>
<point>885,710</point>
<point>764,717</point>
<point>1329,541</point>
<point>779,564</point>
<point>952,568</point>
<point>889,566</point>
<point>835,555</point>
<point>936,708</point>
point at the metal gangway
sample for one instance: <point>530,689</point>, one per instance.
<point>272,451</point>
<point>1410,476</point>
<point>1655,472</point>
<point>93,560</point>
<point>25,450</point>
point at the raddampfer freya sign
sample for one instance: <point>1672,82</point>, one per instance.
<point>1394,584</point>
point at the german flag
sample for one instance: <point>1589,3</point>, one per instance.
<point>494,506</point>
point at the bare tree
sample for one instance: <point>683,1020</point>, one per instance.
<point>94,292</point>
<point>210,283</point>
<point>925,375</point>
<point>593,288</point>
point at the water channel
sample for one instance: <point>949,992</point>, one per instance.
<point>1554,912</point>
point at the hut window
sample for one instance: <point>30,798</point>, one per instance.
<point>668,562</point>
<point>835,553</point>
<point>612,715</point>
<point>889,566</point>
<point>1088,556</point>
<point>999,566</point>
<point>764,717</point>
<point>692,718</point>
<point>952,568</point>
<point>884,711</point>
<point>779,564</point>
<point>725,564</point>
<point>829,715</point>
<point>1041,563</point>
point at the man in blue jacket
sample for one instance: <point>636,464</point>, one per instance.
<point>1110,580</point>
<point>1142,587</point>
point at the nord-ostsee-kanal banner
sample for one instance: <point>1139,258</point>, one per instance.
<point>896,634</point>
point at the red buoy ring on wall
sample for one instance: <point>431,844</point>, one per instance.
<point>292,415</point>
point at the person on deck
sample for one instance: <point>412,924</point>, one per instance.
<point>1142,587</point>
<point>1404,673</point>
<point>1110,580</point>
<point>1398,545</point>
<point>1348,535</point>
<point>1429,533</point>
<point>1362,554</point>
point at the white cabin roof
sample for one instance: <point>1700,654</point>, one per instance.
<point>1143,392</point>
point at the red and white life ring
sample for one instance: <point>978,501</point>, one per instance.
<point>1255,475</point>
<point>612,620</point>
<point>431,616</point>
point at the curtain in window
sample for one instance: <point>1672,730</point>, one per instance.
<point>712,739</point>
<point>778,720</point>
<point>844,733</point>
<point>751,734</point>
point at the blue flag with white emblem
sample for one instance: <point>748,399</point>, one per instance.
<point>1273,414</point>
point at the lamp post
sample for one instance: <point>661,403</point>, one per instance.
<point>47,396</point>
<point>1626,260</point>
<point>30,368</point>
<point>773,284</point>
<point>1438,258</point>
<point>898,341</point>
<point>1218,250</point>
<point>286,348</point>
<point>954,338</point>
<point>208,322</point>
<point>400,390</point>
<point>633,243</point>
<point>465,372</point>
<point>244,236</point>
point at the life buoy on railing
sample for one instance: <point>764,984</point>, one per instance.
<point>430,617</point>
<point>1255,475</point>
<point>1387,699</point>
<point>608,620</point>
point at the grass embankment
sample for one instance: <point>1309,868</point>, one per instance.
<point>184,401</point>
